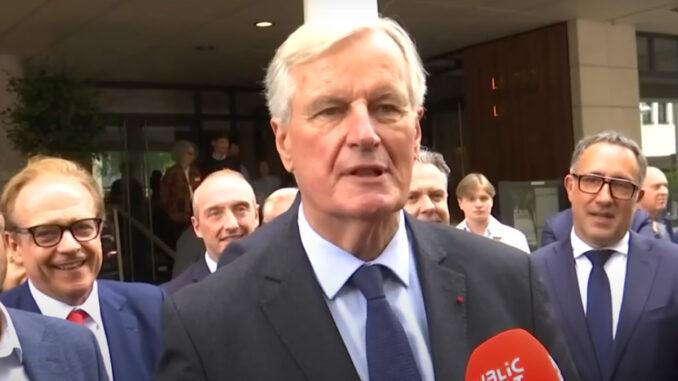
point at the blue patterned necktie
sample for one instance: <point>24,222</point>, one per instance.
<point>599,307</point>
<point>389,356</point>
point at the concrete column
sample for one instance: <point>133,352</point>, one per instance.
<point>333,11</point>
<point>10,160</point>
<point>604,78</point>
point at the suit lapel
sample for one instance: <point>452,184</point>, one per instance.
<point>295,306</point>
<point>199,271</point>
<point>561,269</point>
<point>122,334</point>
<point>441,288</point>
<point>25,301</point>
<point>641,267</point>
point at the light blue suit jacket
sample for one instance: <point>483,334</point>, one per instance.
<point>55,350</point>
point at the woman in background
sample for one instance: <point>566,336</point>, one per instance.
<point>178,184</point>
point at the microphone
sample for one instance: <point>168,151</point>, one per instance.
<point>512,355</point>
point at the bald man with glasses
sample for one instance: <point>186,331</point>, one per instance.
<point>54,212</point>
<point>614,290</point>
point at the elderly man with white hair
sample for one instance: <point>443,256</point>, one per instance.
<point>346,285</point>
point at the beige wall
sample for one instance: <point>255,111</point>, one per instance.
<point>10,160</point>
<point>604,77</point>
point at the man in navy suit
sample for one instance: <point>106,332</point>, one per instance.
<point>558,226</point>
<point>347,267</point>
<point>614,290</point>
<point>54,212</point>
<point>224,209</point>
<point>655,202</point>
<point>42,348</point>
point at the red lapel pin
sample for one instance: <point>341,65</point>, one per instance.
<point>460,299</point>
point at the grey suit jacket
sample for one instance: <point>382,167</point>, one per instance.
<point>264,317</point>
<point>646,341</point>
<point>57,350</point>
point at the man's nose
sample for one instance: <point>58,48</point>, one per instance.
<point>68,243</point>
<point>605,194</point>
<point>229,221</point>
<point>426,205</point>
<point>361,128</point>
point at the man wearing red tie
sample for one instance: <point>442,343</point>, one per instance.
<point>54,213</point>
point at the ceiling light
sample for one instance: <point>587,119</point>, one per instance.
<point>263,24</point>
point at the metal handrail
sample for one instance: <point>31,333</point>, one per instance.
<point>143,229</point>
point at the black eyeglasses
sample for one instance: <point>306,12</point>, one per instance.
<point>619,188</point>
<point>50,235</point>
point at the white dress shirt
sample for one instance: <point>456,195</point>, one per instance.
<point>502,233</point>
<point>615,268</point>
<point>55,308</point>
<point>11,357</point>
<point>333,267</point>
<point>211,264</point>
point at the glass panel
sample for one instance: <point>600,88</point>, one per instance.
<point>645,113</point>
<point>215,102</point>
<point>643,53</point>
<point>666,55</point>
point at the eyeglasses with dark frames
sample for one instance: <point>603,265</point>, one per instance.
<point>620,189</point>
<point>49,235</point>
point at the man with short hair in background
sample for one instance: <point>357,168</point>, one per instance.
<point>224,210</point>
<point>427,200</point>
<point>54,212</point>
<point>277,203</point>
<point>655,201</point>
<point>614,290</point>
<point>218,159</point>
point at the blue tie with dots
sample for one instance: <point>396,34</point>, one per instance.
<point>599,307</point>
<point>389,356</point>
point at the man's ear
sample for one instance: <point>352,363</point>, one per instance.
<point>641,194</point>
<point>196,226</point>
<point>569,182</point>
<point>13,248</point>
<point>417,126</point>
<point>283,143</point>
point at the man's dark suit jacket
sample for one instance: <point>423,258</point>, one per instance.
<point>646,341</point>
<point>56,350</point>
<point>131,316</point>
<point>189,250</point>
<point>194,274</point>
<point>558,226</point>
<point>264,317</point>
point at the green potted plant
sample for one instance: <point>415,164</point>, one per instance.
<point>55,114</point>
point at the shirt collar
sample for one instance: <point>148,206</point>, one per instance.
<point>579,247</point>
<point>9,340</point>
<point>55,308</point>
<point>211,265</point>
<point>333,266</point>
<point>491,226</point>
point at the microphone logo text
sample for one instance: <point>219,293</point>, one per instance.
<point>512,371</point>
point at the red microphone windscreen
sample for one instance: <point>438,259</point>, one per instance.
<point>512,355</point>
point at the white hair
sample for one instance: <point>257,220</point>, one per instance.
<point>312,39</point>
